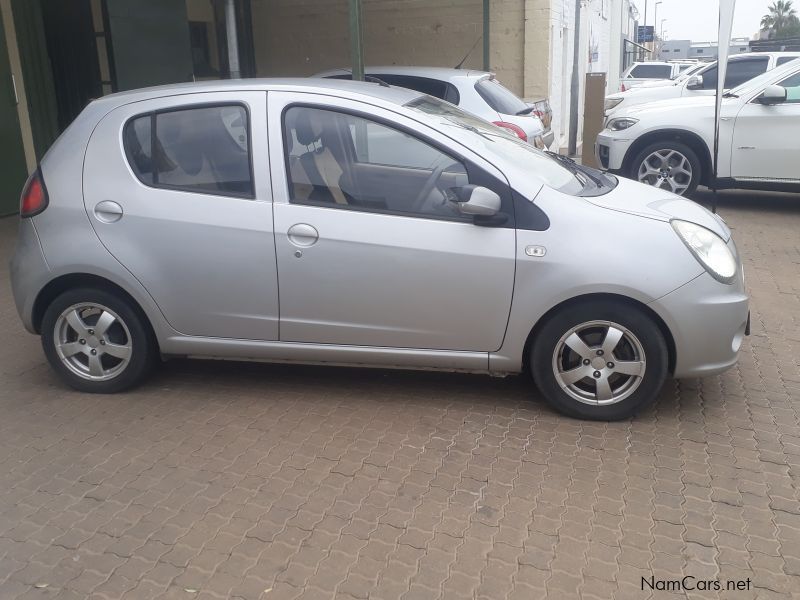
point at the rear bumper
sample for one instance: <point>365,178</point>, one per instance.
<point>28,267</point>
<point>708,321</point>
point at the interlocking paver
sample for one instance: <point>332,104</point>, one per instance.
<point>258,481</point>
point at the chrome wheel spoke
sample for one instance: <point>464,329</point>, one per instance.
<point>105,321</point>
<point>71,349</point>
<point>579,346</point>
<point>629,367</point>
<point>604,389</point>
<point>613,336</point>
<point>77,324</point>
<point>574,375</point>
<point>117,351</point>
<point>95,366</point>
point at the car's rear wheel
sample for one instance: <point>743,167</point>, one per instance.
<point>96,341</point>
<point>599,360</point>
<point>668,165</point>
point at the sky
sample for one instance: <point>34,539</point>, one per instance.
<point>697,20</point>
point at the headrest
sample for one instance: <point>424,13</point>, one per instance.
<point>307,125</point>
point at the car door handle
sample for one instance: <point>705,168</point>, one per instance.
<point>303,235</point>
<point>108,211</point>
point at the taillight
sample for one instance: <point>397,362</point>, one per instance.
<point>622,87</point>
<point>34,196</point>
<point>511,127</point>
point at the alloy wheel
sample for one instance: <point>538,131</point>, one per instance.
<point>599,363</point>
<point>92,341</point>
<point>666,169</point>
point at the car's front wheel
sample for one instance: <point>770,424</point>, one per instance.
<point>96,341</point>
<point>599,360</point>
<point>668,165</point>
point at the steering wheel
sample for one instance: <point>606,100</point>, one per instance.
<point>430,184</point>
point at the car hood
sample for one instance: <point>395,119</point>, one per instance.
<point>681,105</point>
<point>634,198</point>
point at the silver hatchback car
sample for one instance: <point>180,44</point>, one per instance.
<point>337,222</point>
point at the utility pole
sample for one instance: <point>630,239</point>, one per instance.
<point>357,40</point>
<point>574,100</point>
<point>233,40</point>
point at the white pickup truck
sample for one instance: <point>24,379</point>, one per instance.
<point>741,68</point>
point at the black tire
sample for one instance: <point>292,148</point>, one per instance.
<point>143,351</point>
<point>686,151</point>
<point>649,336</point>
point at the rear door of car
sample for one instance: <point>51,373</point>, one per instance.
<point>178,190</point>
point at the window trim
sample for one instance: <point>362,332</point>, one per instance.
<point>153,114</point>
<point>507,198</point>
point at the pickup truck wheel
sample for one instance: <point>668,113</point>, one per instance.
<point>599,360</point>
<point>668,165</point>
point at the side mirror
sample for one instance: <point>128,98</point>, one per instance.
<point>773,94</point>
<point>695,82</point>
<point>476,200</point>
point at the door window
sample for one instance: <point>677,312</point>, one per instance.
<point>739,71</point>
<point>792,85</point>
<point>201,149</point>
<point>344,161</point>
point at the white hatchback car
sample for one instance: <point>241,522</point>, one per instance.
<point>478,92</point>
<point>669,144</point>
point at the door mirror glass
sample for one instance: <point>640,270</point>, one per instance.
<point>773,94</point>
<point>475,200</point>
<point>695,82</point>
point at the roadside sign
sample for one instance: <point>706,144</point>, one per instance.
<point>645,33</point>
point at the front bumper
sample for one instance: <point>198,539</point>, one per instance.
<point>708,321</point>
<point>610,150</point>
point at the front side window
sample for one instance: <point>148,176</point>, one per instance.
<point>792,85</point>
<point>346,161</point>
<point>202,149</point>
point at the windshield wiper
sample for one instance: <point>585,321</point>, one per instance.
<point>574,167</point>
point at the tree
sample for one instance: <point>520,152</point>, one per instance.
<point>781,19</point>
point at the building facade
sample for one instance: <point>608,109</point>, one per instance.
<point>686,49</point>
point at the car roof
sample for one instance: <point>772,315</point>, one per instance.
<point>391,94</point>
<point>442,73</point>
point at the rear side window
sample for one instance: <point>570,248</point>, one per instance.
<point>785,59</point>
<point>203,149</point>
<point>651,72</point>
<point>500,98</point>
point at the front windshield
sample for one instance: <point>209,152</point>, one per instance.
<point>490,141</point>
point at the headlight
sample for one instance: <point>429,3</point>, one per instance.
<point>621,123</point>
<point>709,249</point>
<point>612,103</point>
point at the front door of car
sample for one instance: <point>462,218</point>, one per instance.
<point>369,250</point>
<point>765,137</point>
<point>170,189</point>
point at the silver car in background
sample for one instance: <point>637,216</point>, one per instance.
<point>478,92</point>
<point>272,220</point>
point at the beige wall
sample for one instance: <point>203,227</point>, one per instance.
<point>301,37</point>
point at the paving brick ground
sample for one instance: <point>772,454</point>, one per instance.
<point>222,480</point>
